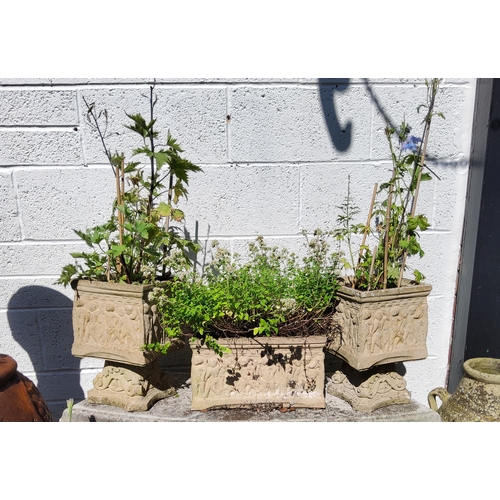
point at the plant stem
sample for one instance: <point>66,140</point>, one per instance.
<point>386,242</point>
<point>421,155</point>
<point>119,205</point>
<point>372,266</point>
<point>152,147</point>
<point>367,228</point>
<point>90,111</point>
<point>348,221</point>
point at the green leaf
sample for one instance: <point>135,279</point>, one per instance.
<point>177,215</point>
<point>162,157</point>
<point>116,250</point>
<point>143,228</point>
<point>131,167</point>
<point>139,126</point>
<point>163,209</point>
<point>67,274</point>
<point>418,276</point>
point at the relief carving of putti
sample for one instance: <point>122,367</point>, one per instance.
<point>108,323</point>
<point>253,375</point>
<point>381,328</point>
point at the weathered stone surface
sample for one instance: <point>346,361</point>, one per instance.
<point>273,371</point>
<point>369,390</point>
<point>113,321</point>
<point>381,326</point>
<point>477,397</point>
<point>132,388</point>
<point>178,409</point>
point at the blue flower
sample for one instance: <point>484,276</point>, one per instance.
<point>411,143</point>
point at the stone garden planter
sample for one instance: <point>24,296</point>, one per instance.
<point>379,329</point>
<point>280,371</point>
<point>381,326</point>
<point>112,321</point>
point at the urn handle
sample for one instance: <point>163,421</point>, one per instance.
<point>440,392</point>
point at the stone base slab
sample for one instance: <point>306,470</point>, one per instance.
<point>132,388</point>
<point>178,409</point>
<point>369,390</point>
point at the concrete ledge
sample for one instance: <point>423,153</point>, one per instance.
<point>178,409</point>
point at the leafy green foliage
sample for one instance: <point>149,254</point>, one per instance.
<point>139,243</point>
<point>393,222</point>
<point>250,298</point>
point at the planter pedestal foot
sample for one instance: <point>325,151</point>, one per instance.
<point>369,390</point>
<point>132,388</point>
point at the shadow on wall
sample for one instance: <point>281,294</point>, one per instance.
<point>341,135</point>
<point>40,319</point>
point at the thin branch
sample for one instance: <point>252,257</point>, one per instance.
<point>96,126</point>
<point>368,220</point>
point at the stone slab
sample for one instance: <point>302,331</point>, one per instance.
<point>178,409</point>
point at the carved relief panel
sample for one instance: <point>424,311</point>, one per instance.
<point>262,371</point>
<point>112,321</point>
<point>382,326</point>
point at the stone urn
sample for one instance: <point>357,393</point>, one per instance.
<point>113,321</point>
<point>477,397</point>
<point>379,329</point>
<point>285,372</point>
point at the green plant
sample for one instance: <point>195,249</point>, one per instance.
<point>139,243</point>
<point>273,293</point>
<point>393,221</point>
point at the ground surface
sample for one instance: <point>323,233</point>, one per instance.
<point>178,409</point>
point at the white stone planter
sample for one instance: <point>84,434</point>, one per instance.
<point>286,371</point>
<point>381,326</point>
<point>112,321</point>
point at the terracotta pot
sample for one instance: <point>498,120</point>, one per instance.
<point>20,399</point>
<point>381,326</point>
<point>477,397</point>
<point>286,371</point>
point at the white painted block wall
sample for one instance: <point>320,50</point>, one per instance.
<point>276,156</point>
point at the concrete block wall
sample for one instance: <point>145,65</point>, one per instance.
<point>276,155</point>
